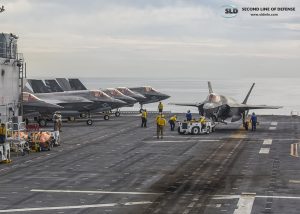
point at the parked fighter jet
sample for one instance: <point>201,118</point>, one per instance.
<point>143,95</point>
<point>151,95</point>
<point>81,102</point>
<point>32,104</point>
<point>220,108</point>
<point>129,101</point>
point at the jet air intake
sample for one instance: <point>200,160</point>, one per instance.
<point>236,117</point>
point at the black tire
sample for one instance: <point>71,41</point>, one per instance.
<point>49,146</point>
<point>117,114</point>
<point>178,129</point>
<point>42,122</point>
<point>195,130</point>
<point>141,110</point>
<point>89,122</point>
<point>106,117</point>
<point>213,129</point>
<point>208,130</point>
<point>26,146</point>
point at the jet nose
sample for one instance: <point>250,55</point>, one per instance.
<point>164,96</point>
<point>117,101</point>
<point>139,96</point>
<point>129,99</point>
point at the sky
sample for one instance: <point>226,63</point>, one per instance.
<point>153,38</point>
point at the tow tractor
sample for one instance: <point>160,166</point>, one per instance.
<point>195,127</point>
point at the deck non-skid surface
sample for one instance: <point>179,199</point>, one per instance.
<point>118,167</point>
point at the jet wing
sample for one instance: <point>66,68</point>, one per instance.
<point>187,104</point>
<point>246,107</point>
<point>42,104</point>
<point>67,99</point>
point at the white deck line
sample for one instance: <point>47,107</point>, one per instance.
<point>245,204</point>
<point>74,207</point>
<point>228,197</point>
<point>273,128</point>
<point>294,181</point>
<point>179,141</point>
<point>93,192</point>
<point>264,150</point>
<point>267,142</point>
<point>222,138</point>
<point>274,123</point>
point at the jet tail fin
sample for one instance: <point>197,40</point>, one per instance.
<point>210,87</point>
<point>64,84</point>
<point>249,92</point>
<point>76,84</point>
<point>53,85</point>
<point>38,86</point>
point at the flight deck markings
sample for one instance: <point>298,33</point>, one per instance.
<point>245,204</point>
<point>94,192</point>
<point>75,207</point>
<point>274,123</point>
<point>267,142</point>
<point>264,150</point>
<point>273,128</point>
<point>179,141</point>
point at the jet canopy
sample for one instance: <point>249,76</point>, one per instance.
<point>149,89</point>
<point>214,98</point>
<point>126,91</point>
<point>113,92</point>
<point>98,93</point>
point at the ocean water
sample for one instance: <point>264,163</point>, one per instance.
<point>269,91</point>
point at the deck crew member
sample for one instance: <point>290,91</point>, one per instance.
<point>172,122</point>
<point>203,122</point>
<point>160,107</point>
<point>2,133</point>
<point>253,121</point>
<point>247,123</point>
<point>57,127</point>
<point>188,115</point>
<point>160,122</point>
<point>144,118</point>
<point>59,121</point>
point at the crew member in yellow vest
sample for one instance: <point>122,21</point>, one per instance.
<point>203,122</point>
<point>172,122</point>
<point>161,123</point>
<point>2,133</point>
<point>144,118</point>
<point>160,107</point>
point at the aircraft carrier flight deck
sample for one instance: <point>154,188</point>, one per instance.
<point>118,167</point>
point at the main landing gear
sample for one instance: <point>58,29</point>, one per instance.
<point>89,121</point>
<point>141,108</point>
<point>118,113</point>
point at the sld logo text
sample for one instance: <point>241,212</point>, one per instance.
<point>229,11</point>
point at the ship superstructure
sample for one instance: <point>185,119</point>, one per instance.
<point>11,77</point>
